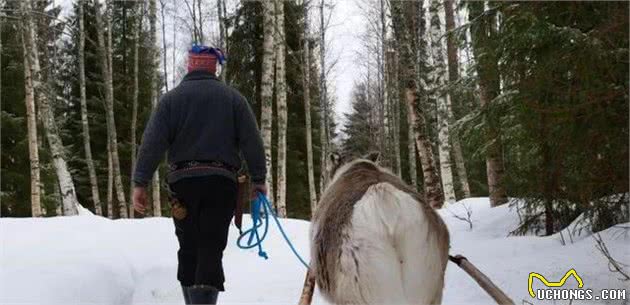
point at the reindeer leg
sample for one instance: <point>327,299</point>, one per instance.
<point>307,290</point>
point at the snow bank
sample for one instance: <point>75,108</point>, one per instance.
<point>89,259</point>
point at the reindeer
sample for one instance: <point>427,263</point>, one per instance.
<point>374,240</point>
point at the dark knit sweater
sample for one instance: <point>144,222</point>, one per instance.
<point>201,119</point>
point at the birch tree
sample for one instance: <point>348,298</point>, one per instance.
<point>443,100</point>
<point>482,33</point>
<point>134,101</point>
<point>306,85</point>
<point>453,76</point>
<point>110,181</point>
<point>84,115</point>
<point>106,70</point>
<point>223,33</point>
<point>68,193</point>
<point>323,100</point>
<point>266,114</point>
<point>155,183</point>
<point>405,20</point>
<point>31,127</point>
<point>281,104</point>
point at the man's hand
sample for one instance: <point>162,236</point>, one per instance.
<point>256,188</point>
<point>139,199</point>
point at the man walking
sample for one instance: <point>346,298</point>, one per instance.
<point>204,125</point>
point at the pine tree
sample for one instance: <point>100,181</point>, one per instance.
<point>482,32</point>
<point>453,75</point>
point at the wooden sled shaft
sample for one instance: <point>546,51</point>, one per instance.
<point>493,290</point>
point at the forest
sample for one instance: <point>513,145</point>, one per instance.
<point>516,101</point>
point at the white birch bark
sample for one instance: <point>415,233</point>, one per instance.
<point>106,68</point>
<point>266,115</point>
<point>31,127</point>
<point>134,106</point>
<point>323,101</point>
<point>281,104</point>
<point>412,62</point>
<point>68,193</point>
<point>453,75</point>
<point>155,183</point>
<point>306,84</point>
<point>96,198</point>
<point>443,99</point>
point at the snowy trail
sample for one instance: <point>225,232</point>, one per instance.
<point>93,260</point>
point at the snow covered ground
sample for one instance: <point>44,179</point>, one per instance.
<point>93,260</point>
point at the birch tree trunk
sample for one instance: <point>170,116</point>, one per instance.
<point>110,181</point>
<point>106,68</point>
<point>323,102</point>
<point>306,84</point>
<point>68,193</point>
<point>221,12</point>
<point>281,104</point>
<point>155,183</point>
<point>134,105</point>
<point>415,88</point>
<point>443,100</point>
<point>482,32</point>
<point>96,198</point>
<point>266,89</point>
<point>31,127</point>
<point>384,114</point>
<point>163,24</point>
<point>453,75</point>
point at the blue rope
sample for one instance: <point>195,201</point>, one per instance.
<point>261,209</point>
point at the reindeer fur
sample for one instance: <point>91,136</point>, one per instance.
<point>374,240</point>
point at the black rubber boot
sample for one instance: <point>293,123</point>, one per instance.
<point>202,294</point>
<point>186,293</point>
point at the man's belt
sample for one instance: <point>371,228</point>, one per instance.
<point>186,165</point>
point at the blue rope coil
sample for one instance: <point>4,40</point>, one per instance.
<point>260,212</point>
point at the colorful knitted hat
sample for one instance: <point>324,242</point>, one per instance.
<point>204,58</point>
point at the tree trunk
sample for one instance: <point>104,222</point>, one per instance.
<point>155,183</point>
<point>306,84</point>
<point>110,181</point>
<point>163,23</point>
<point>134,105</point>
<point>266,112</point>
<point>281,104</point>
<point>31,127</point>
<point>96,198</point>
<point>443,99</point>
<point>221,10</point>
<point>413,91</point>
<point>392,87</point>
<point>453,75</point>
<point>482,32</point>
<point>323,102</point>
<point>68,193</point>
<point>384,113</point>
<point>106,69</point>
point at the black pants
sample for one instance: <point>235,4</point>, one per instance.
<point>202,234</point>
